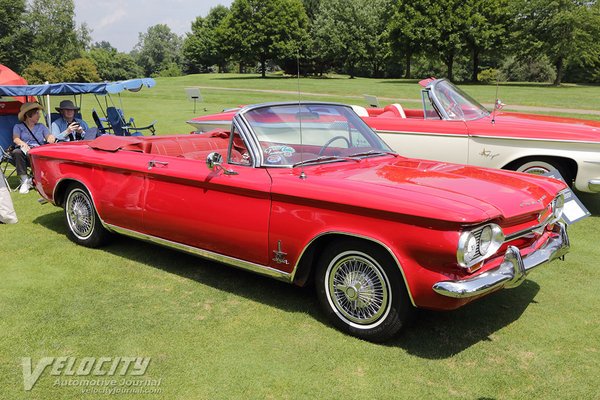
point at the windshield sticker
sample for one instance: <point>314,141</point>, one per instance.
<point>286,151</point>
<point>274,159</point>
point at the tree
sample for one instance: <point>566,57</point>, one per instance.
<point>54,34</point>
<point>259,31</point>
<point>488,22</point>
<point>157,49</point>
<point>201,47</point>
<point>564,30</point>
<point>449,20</point>
<point>409,31</point>
<point>349,33</point>
<point>112,65</point>
<point>13,48</point>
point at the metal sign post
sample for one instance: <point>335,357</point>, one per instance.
<point>193,95</point>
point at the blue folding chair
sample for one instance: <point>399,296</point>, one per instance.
<point>7,164</point>
<point>99,122</point>
<point>121,127</point>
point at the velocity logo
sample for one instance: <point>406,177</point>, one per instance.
<point>72,366</point>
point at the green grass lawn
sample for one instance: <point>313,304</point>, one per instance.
<point>215,332</point>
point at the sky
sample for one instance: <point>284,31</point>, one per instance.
<point>120,21</point>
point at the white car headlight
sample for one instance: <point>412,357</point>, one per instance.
<point>478,244</point>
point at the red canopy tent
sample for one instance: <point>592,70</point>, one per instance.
<point>10,77</point>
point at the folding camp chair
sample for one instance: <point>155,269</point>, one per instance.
<point>121,127</point>
<point>7,165</point>
<point>98,121</point>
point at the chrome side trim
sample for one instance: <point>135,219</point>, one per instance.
<point>423,133</point>
<point>511,272</point>
<point>370,239</point>
<point>234,262</point>
<point>533,139</point>
<point>223,122</point>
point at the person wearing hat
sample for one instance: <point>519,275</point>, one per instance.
<point>67,127</point>
<point>27,134</point>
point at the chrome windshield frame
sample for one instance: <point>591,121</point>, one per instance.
<point>241,121</point>
<point>432,90</point>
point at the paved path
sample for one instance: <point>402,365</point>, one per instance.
<point>515,107</point>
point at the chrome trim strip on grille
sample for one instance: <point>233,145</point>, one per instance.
<point>527,231</point>
<point>234,262</point>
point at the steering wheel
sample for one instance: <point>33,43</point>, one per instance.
<point>333,139</point>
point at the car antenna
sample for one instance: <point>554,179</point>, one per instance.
<point>302,174</point>
<point>497,103</point>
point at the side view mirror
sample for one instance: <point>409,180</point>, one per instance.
<point>214,162</point>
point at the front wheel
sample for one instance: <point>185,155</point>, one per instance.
<point>83,223</point>
<point>362,291</point>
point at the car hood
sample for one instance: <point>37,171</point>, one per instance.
<point>537,127</point>
<point>428,189</point>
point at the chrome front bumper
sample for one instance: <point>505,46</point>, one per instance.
<point>511,272</point>
<point>594,185</point>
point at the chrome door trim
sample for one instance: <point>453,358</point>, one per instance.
<point>234,262</point>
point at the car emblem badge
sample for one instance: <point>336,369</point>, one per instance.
<point>280,255</point>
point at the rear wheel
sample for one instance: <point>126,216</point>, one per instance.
<point>362,291</point>
<point>83,223</point>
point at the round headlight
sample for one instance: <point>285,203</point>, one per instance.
<point>485,239</point>
<point>558,206</point>
<point>479,244</point>
<point>470,248</point>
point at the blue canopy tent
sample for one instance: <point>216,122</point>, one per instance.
<point>62,89</point>
<point>65,89</point>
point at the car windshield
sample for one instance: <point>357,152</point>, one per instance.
<point>300,134</point>
<point>456,104</point>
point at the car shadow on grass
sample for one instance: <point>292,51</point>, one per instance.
<point>439,335</point>
<point>433,335</point>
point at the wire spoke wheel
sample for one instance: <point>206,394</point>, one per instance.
<point>80,214</point>
<point>358,289</point>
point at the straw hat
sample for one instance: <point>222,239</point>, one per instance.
<point>67,105</point>
<point>28,107</point>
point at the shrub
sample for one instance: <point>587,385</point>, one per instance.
<point>490,75</point>
<point>39,72</point>
<point>80,70</point>
<point>169,70</point>
<point>529,70</point>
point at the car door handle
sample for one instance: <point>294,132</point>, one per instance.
<point>154,163</point>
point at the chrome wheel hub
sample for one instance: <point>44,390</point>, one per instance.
<point>80,214</point>
<point>358,289</point>
<point>536,170</point>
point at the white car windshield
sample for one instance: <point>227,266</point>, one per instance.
<point>454,103</point>
<point>291,135</point>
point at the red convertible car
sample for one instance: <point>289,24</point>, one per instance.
<point>452,126</point>
<point>302,192</point>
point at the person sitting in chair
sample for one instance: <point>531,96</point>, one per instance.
<point>27,134</point>
<point>68,128</point>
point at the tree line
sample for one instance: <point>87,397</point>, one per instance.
<point>464,40</point>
